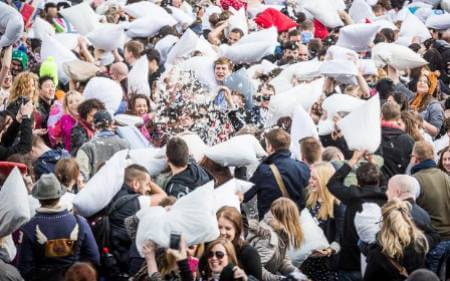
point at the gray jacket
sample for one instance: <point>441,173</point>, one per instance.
<point>97,151</point>
<point>272,246</point>
<point>434,114</point>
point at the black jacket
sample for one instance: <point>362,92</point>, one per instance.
<point>395,148</point>
<point>353,197</point>
<point>183,183</point>
<point>380,267</point>
<point>250,260</point>
<point>295,175</point>
<point>24,144</point>
<point>423,221</point>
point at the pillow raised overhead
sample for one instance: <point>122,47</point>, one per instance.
<point>323,12</point>
<point>413,27</point>
<point>360,11</point>
<point>357,37</point>
<point>439,22</point>
<point>397,56</point>
<point>343,71</point>
<point>106,90</point>
<point>272,17</point>
<point>82,17</point>
<point>148,26</point>
<point>107,37</point>
<point>143,9</point>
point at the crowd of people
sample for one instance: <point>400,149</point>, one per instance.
<point>225,140</point>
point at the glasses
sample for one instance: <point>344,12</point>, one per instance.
<point>263,98</point>
<point>219,255</point>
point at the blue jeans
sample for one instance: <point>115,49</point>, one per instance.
<point>349,276</point>
<point>435,255</point>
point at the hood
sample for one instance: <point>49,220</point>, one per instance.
<point>53,156</point>
<point>192,177</point>
<point>390,132</point>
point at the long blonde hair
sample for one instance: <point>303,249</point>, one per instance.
<point>286,213</point>
<point>324,171</point>
<point>66,99</point>
<point>21,86</point>
<point>398,230</point>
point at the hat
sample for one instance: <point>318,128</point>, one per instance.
<point>49,68</point>
<point>48,187</point>
<point>21,56</point>
<point>102,118</point>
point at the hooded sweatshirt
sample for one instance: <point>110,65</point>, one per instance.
<point>46,162</point>
<point>183,183</point>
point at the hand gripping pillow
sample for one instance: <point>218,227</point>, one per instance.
<point>314,239</point>
<point>82,17</point>
<point>397,56</point>
<point>238,151</point>
<point>106,90</point>
<point>357,37</point>
<point>107,37</point>
<point>362,127</point>
<point>13,198</point>
<point>193,215</point>
<point>138,78</point>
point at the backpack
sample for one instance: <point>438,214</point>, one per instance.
<point>100,225</point>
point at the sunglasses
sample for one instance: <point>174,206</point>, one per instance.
<point>219,255</point>
<point>261,98</point>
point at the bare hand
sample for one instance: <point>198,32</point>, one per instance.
<point>149,248</point>
<point>239,274</point>
<point>180,254</point>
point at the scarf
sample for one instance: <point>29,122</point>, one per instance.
<point>423,165</point>
<point>418,100</point>
<point>87,128</point>
<point>389,124</point>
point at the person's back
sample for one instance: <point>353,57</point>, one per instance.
<point>53,239</point>
<point>396,145</point>
<point>294,174</point>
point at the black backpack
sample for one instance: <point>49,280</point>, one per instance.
<point>100,225</point>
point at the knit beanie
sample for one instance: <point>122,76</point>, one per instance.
<point>21,56</point>
<point>49,68</point>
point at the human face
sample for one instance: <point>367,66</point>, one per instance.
<point>221,71</point>
<point>52,12</point>
<point>129,58</point>
<point>297,38</point>
<point>303,54</point>
<point>226,229</point>
<point>72,104</point>
<point>314,183</point>
<point>233,37</point>
<point>140,107</point>
<point>143,185</point>
<point>422,85</point>
<point>7,81</point>
<point>217,258</point>
<point>47,90</point>
<point>446,161</point>
<point>90,117</point>
<point>16,67</point>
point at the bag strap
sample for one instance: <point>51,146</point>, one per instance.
<point>401,269</point>
<point>119,203</point>
<point>279,180</point>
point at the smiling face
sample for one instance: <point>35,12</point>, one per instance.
<point>422,85</point>
<point>47,92</point>
<point>72,103</point>
<point>314,182</point>
<point>221,71</point>
<point>140,107</point>
<point>226,229</point>
<point>446,161</point>
<point>217,258</point>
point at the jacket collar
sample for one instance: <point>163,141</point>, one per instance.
<point>427,164</point>
<point>282,153</point>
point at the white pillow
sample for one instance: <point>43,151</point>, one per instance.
<point>146,9</point>
<point>196,145</point>
<point>383,23</point>
<point>439,22</point>
<point>397,56</point>
<point>202,68</point>
<point>412,27</point>
<point>281,84</point>
<point>323,12</point>
<point>368,67</point>
<point>138,77</point>
<point>343,71</point>
<point>314,239</point>
<point>13,197</point>
<point>107,37</point>
<point>237,20</point>
<point>11,25</point>
<point>181,17</point>
<point>192,215</point>
<point>367,222</point>
<point>147,26</point>
<point>106,90</point>
<point>82,17</point>
<point>358,37</point>
<point>225,195</point>
<point>41,27</point>
<point>303,71</point>
<point>360,10</point>
<point>302,126</point>
<point>189,43</point>
<point>133,136</point>
<point>342,53</point>
<point>340,103</point>
<point>68,40</point>
<point>247,52</point>
<point>268,35</point>
<point>238,151</point>
<point>445,4</point>
<point>165,45</point>
<point>128,120</point>
<point>366,118</point>
<point>208,12</point>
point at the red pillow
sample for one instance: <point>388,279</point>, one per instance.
<point>7,167</point>
<point>273,17</point>
<point>320,30</point>
<point>236,4</point>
